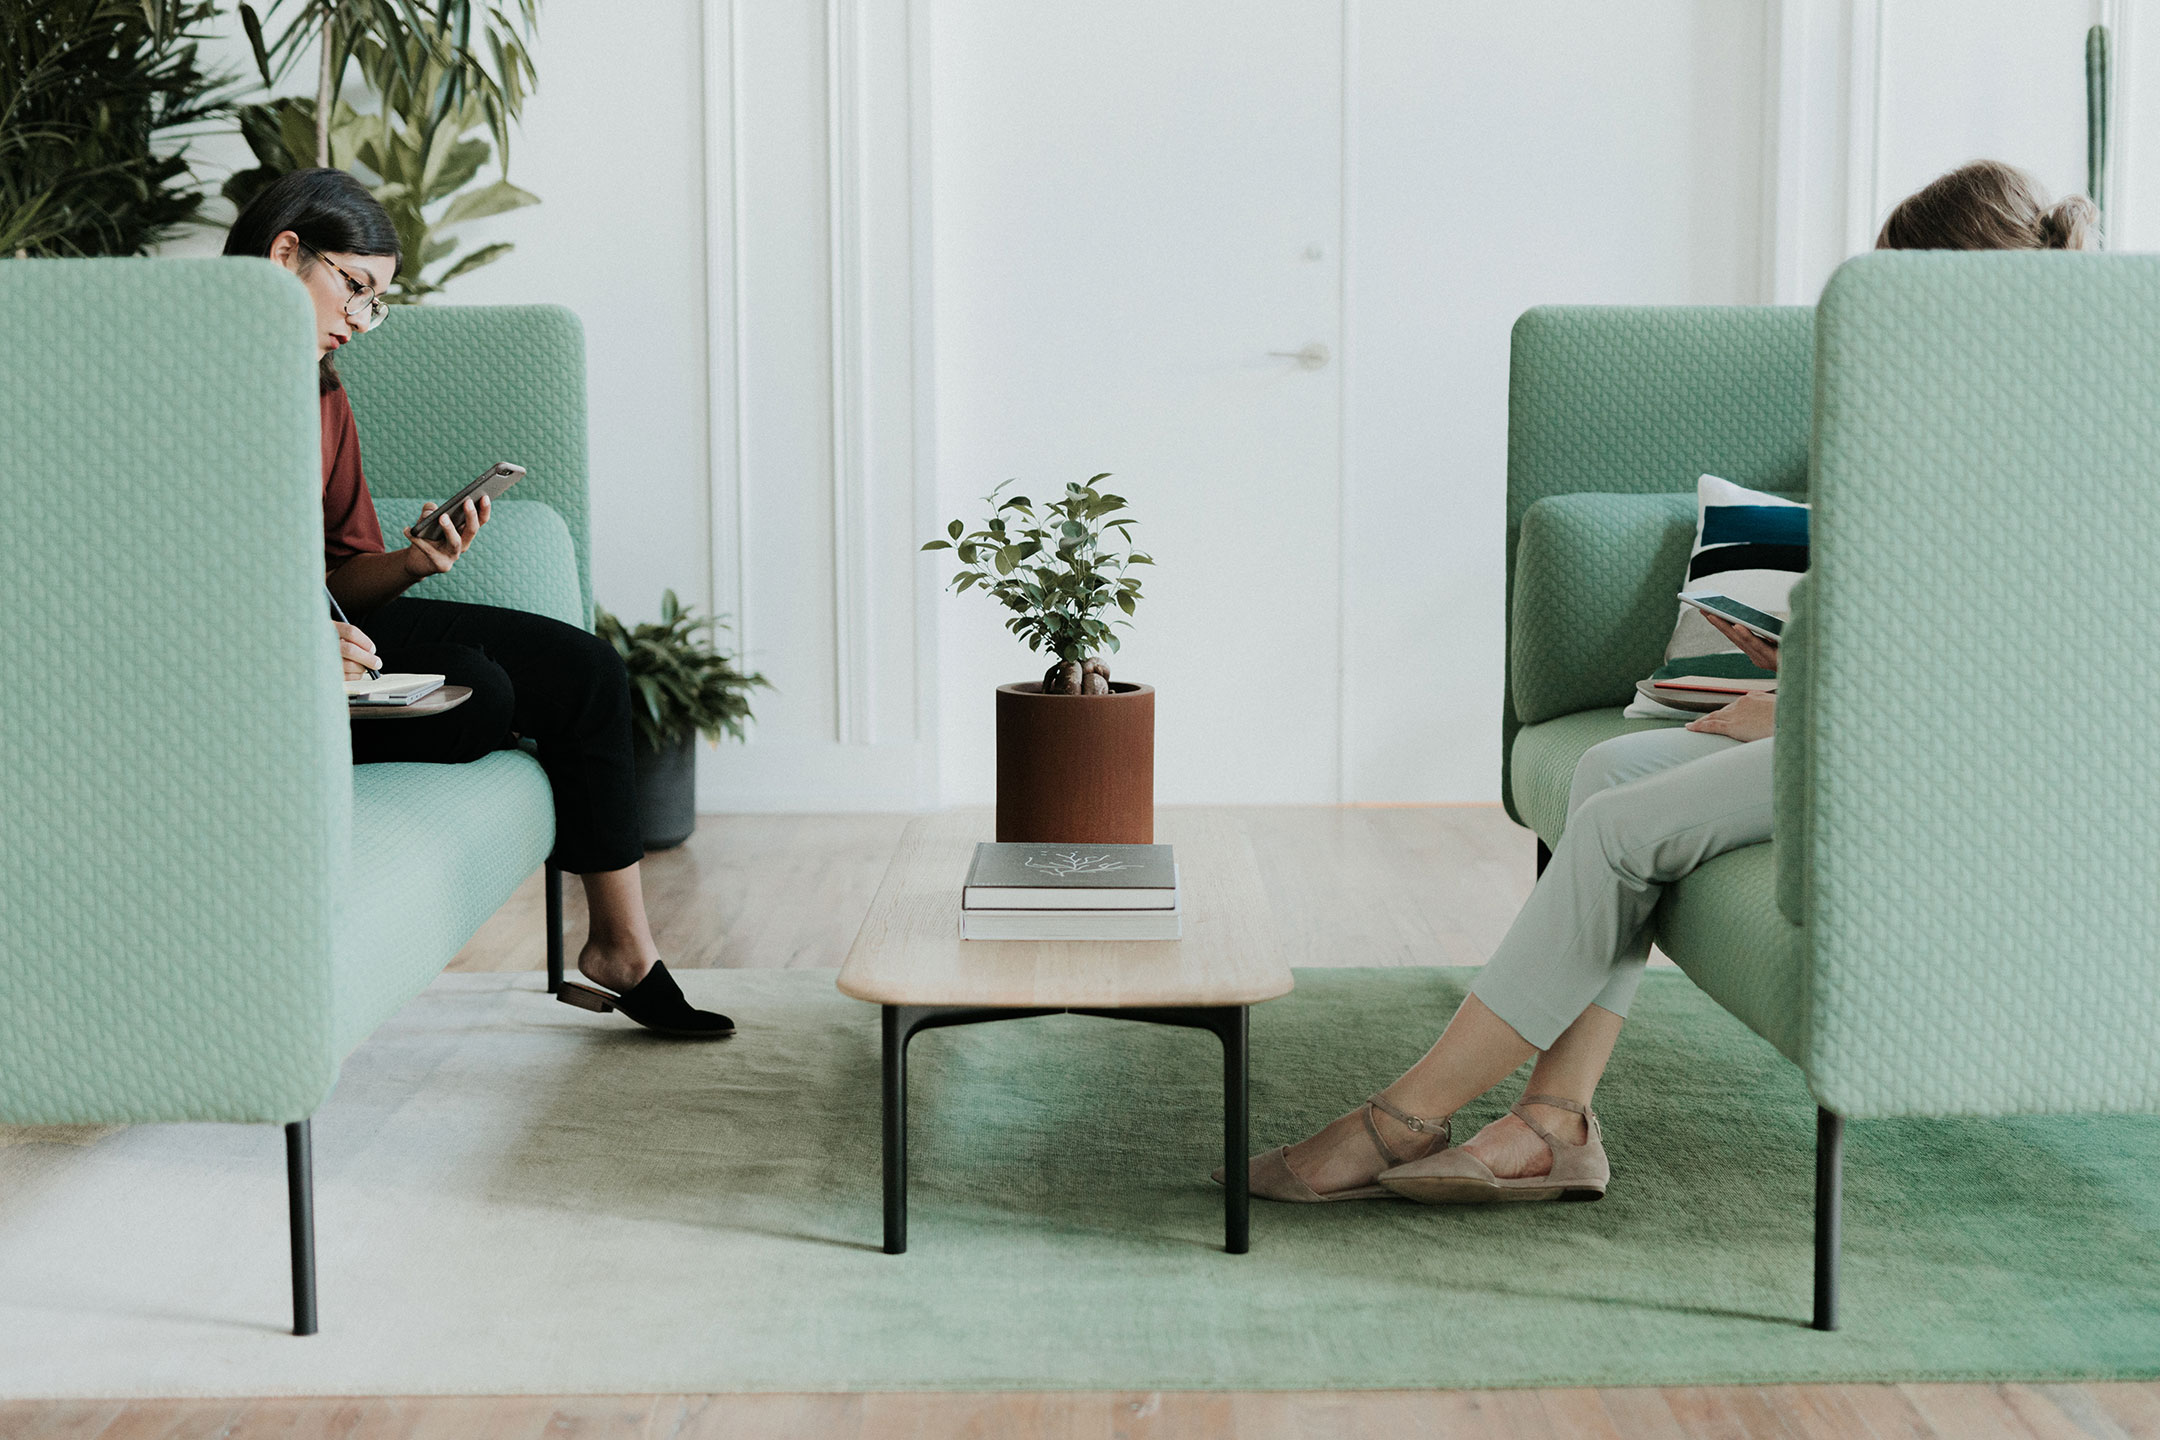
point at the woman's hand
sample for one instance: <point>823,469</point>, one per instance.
<point>1763,652</point>
<point>355,650</point>
<point>433,557</point>
<point>1751,717</point>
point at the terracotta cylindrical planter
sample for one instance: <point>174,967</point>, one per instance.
<point>1077,768</point>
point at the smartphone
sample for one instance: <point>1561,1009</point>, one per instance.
<point>492,482</point>
<point>1745,616</point>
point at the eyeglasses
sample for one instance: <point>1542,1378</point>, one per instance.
<point>364,310</point>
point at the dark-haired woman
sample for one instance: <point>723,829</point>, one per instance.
<point>1644,810</point>
<point>554,684</point>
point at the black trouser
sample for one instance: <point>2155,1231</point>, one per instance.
<point>554,684</point>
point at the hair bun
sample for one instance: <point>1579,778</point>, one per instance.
<point>2074,224</point>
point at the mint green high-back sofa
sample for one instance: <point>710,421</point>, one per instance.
<point>204,906</point>
<point>1957,912</point>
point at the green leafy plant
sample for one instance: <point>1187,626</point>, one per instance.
<point>1052,568</point>
<point>427,139</point>
<point>98,99</point>
<point>684,685</point>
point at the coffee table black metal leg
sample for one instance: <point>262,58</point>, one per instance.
<point>895,1050</point>
<point>1229,1022</point>
<point>1237,1112</point>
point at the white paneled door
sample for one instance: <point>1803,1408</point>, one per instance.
<point>1138,215</point>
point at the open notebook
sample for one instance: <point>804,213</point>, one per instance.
<point>391,689</point>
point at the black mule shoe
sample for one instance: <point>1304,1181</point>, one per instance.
<point>655,1002</point>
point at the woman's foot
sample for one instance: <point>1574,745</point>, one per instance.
<point>652,999</point>
<point>1343,1160</point>
<point>1513,1151</point>
<point>1547,1147</point>
<point>615,967</point>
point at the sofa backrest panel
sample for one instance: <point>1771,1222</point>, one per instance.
<point>174,751</point>
<point>1639,400</point>
<point>1984,897</point>
<point>441,392</point>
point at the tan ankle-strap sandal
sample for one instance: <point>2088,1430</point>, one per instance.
<point>1456,1177</point>
<point>1271,1178</point>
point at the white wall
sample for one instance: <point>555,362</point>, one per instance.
<point>611,143</point>
<point>844,266</point>
<point>1504,157</point>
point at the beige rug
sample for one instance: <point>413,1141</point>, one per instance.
<point>516,1197</point>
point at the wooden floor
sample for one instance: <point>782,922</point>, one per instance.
<point>1797,1412</point>
<point>1351,886</point>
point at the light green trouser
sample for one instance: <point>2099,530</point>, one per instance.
<point>1644,810</point>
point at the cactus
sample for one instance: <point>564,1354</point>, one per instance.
<point>2097,66</point>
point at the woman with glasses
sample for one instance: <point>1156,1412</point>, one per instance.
<point>531,677</point>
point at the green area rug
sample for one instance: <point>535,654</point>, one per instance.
<point>515,1196</point>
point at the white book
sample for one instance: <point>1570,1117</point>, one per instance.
<point>1071,877</point>
<point>391,689</point>
<point>1072,924</point>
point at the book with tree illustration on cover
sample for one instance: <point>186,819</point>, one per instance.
<point>1071,877</point>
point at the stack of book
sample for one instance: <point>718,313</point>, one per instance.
<point>1071,892</point>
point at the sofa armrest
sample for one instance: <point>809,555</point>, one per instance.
<point>523,560</point>
<point>1593,604</point>
<point>174,757</point>
<point>1790,820</point>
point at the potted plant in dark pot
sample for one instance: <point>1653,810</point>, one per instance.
<point>1075,750</point>
<point>681,687</point>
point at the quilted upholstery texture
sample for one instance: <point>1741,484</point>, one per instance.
<point>167,847</point>
<point>1985,907</point>
<point>522,560</point>
<point>1545,758</point>
<point>418,892</point>
<point>442,392</point>
<point>1721,925</point>
<point>1640,400</point>
<point>203,905</point>
<point>1593,605</point>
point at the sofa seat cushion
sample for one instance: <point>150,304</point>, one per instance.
<point>1542,763</point>
<point>436,849</point>
<point>1721,924</point>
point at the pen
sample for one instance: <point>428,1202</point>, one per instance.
<point>337,610</point>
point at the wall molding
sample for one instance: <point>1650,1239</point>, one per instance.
<point>727,493</point>
<point>846,388</point>
<point>2122,18</point>
<point>922,352</point>
<point>1863,125</point>
<point>844,107</point>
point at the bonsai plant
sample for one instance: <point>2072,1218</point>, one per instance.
<point>1075,752</point>
<point>681,687</point>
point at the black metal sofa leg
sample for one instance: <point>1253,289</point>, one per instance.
<point>300,1196</point>
<point>554,928</point>
<point>1829,1216</point>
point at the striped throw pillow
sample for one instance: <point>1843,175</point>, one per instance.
<point>1749,544</point>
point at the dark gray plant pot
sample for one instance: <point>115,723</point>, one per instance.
<point>667,793</point>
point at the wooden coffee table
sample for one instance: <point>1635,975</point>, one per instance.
<point>910,959</point>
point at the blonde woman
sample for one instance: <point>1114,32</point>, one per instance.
<point>1644,810</point>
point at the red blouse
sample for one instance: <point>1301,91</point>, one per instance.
<point>349,524</point>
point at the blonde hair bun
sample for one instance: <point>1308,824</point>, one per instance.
<point>1989,205</point>
<point>2074,224</point>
